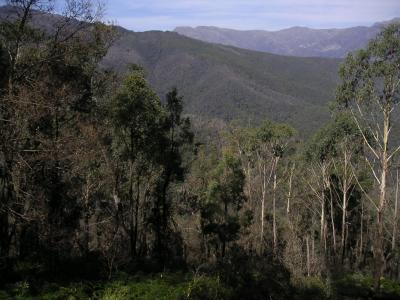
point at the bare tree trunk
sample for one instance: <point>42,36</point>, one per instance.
<point>289,196</point>
<point>249,190</point>
<point>361,231</point>
<point>131,211</point>
<point>308,255</point>
<point>333,224</point>
<point>226,218</point>
<point>87,216</point>
<point>322,222</point>
<point>396,203</point>
<point>274,211</point>
<point>379,239</point>
<point>264,187</point>
<point>323,210</point>
<point>344,207</point>
<point>136,225</point>
<point>312,250</point>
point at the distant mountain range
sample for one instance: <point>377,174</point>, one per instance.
<point>295,41</point>
<point>221,83</point>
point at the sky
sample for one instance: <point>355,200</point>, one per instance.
<point>142,15</point>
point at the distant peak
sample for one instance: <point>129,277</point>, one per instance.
<point>384,23</point>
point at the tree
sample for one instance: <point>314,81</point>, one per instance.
<point>370,92</point>
<point>347,149</point>
<point>175,138</point>
<point>333,156</point>
<point>48,91</point>
<point>137,116</point>
<point>219,214</point>
<point>272,142</point>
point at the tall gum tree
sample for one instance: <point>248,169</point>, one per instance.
<point>272,140</point>
<point>136,115</point>
<point>370,91</point>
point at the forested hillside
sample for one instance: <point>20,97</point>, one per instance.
<point>108,191</point>
<point>230,83</point>
<point>221,82</point>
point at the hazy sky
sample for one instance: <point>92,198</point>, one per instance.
<point>142,15</point>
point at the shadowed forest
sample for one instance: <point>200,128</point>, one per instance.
<point>110,191</point>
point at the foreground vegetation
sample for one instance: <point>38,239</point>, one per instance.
<point>178,286</point>
<point>99,176</point>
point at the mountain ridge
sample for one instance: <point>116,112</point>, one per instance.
<point>294,41</point>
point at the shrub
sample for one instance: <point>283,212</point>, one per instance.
<point>158,287</point>
<point>390,287</point>
<point>211,288</point>
<point>312,288</point>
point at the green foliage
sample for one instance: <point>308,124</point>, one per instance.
<point>274,132</point>
<point>355,285</point>
<point>390,287</point>
<point>275,137</point>
<point>312,288</point>
<point>369,77</point>
<point>74,292</point>
<point>136,115</point>
<point>203,287</point>
<point>350,286</point>
<point>370,91</point>
<point>360,285</point>
<point>328,141</point>
<point>225,197</point>
<point>161,286</point>
<point>20,289</point>
<point>228,181</point>
<point>145,289</point>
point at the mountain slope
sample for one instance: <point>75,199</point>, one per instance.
<point>296,41</point>
<point>225,82</point>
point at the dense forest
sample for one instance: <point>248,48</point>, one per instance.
<point>108,191</point>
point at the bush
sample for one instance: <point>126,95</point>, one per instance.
<point>158,287</point>
<point>312,288</point>
<point>21,289</point>
<point>116,292</point>
<point>71,292</point>
<point>211,288</point>
<point>390,288</point>
<point>354,285</point>
<point>255,277</point>
<point>351,286</point>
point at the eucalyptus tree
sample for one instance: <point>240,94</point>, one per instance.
<point>48,91</point>
<point>243,142</point>
<point>318,165</point>
<point>175,141</point>
<point>272,141</point>
<point>370,92</point>
<point>225,197</point>
<point>346,166</point>
<point>136,114</point>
